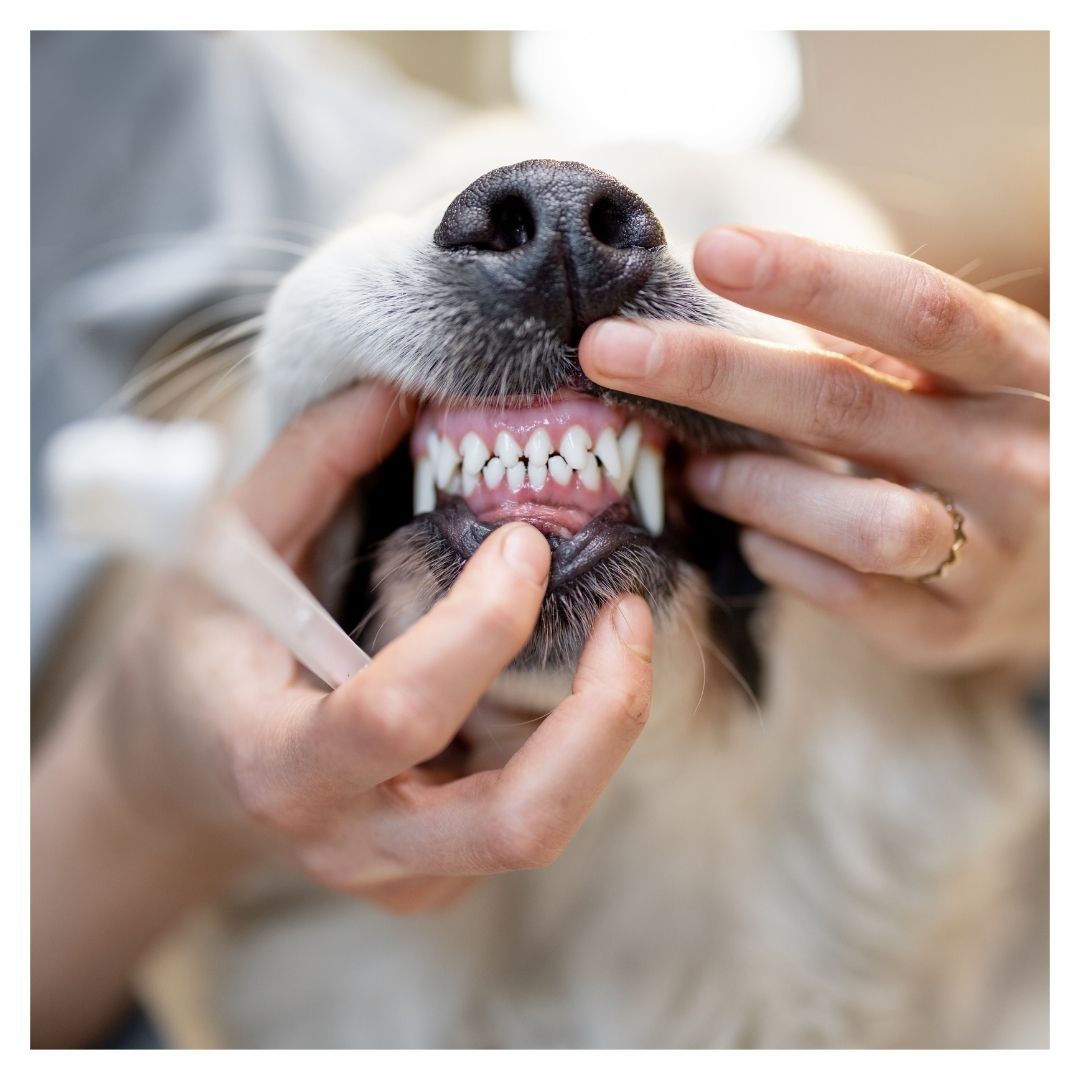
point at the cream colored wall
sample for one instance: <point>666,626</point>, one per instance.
<point>947,131</point>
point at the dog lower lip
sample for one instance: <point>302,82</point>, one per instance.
<point>570,556</point>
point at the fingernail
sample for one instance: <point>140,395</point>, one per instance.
<point>728,258</point>
<point>526,550</point>
<point>633,624</point>
<point>620,349</point>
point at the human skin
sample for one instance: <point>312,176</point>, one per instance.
<point>202,744</point>
<point>922,381</point>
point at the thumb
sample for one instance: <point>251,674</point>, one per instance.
<point>296,487</point>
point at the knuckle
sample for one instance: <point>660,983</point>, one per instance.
<point>847,401</point>
<point>1025,461</point>
<point>897,533</point>
<point>709,373</point>
<point>391,718</point>
<point>520,839</point>
<point>630,706</point>
<point>810,275</point>
<point>746,487</point>
<point>263,800</point>
<point>939,315</point>
<point>327,867</point>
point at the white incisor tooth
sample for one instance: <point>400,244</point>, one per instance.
<point>648,484</point>
<point>629,441</point>
<point>607,451</point>
<point>538,472</point>
<point>473,453</point>
<point>494,471</point>
<point>560,471</point>
<point>506,448</point>
<point>469,480</point>
<point>538,448</point>
<point>423,486</point>
<point>447,462</point>
<point>515,476</point>
<point>590,473</point>
<point>574,445</point>
<point>433,446</point>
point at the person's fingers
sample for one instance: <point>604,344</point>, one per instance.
<point>320,749</point>
<point>870,525</point>
<point>818,399</point>
<point>414,895</point>
<point>893,303</point>
<point>294,490</point>
<point>523,815</point>
<point>907,620</point>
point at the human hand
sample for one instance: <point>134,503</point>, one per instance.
<point>925,381</point>
<point>212,727</point>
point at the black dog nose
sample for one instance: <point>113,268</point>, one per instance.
<point>553,240</point>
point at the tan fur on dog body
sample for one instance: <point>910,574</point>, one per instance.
<point>859,864</point>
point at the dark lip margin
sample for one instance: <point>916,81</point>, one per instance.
<point>571,556</point>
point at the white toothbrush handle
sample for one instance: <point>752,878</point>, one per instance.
<point>242,567</point>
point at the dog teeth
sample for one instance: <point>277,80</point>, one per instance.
<point>474,453</point>
<point>446,463</point>
<point>507,449</point>
<point>574,445</point>
<point>648,485</point>
<point>560,471</point>
<point>629,441</point>
<point>538,474</point>
<point>590,473</point>
<point>621,459</point>
<point>607,451</point>
<point>494,471</point>
<point>424,487</point>
<point>538,448</point>
<point>515,476</point>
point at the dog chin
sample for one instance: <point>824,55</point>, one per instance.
<point>420,562</point>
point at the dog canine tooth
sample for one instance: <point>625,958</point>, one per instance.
<point>648,485</point>
<point>538,474</point>
<point>424,486</point>
<point>474,453</point>
<point>447,461</point>
<point>574,445</point>
<point>590,473</point>
<point>607,451</point>
<point>433,446</point>
<point>629,441</point>
<point>507,449</point>
<point>539,447</point>
<point>560,471</point>
<point>494,471</point>
<point>515,476</point>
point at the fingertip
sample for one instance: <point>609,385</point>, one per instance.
<point>704,476</point>
<point>728,258</point>
<point>633,623</point>
<point>618,349</point>
<point>525,550</point>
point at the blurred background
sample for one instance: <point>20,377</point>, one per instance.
<point>176,176</point>
<point>947,132</point>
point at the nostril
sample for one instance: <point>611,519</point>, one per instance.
<point>620,225</point>
<point>512,224</point>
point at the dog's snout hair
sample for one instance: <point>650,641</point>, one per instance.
<point>555,240</point>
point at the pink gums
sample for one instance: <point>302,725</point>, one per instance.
<point>556,510</point>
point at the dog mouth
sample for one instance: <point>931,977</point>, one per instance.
<point>587,474</point>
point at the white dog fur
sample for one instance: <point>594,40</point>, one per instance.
<point>861,863</point>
